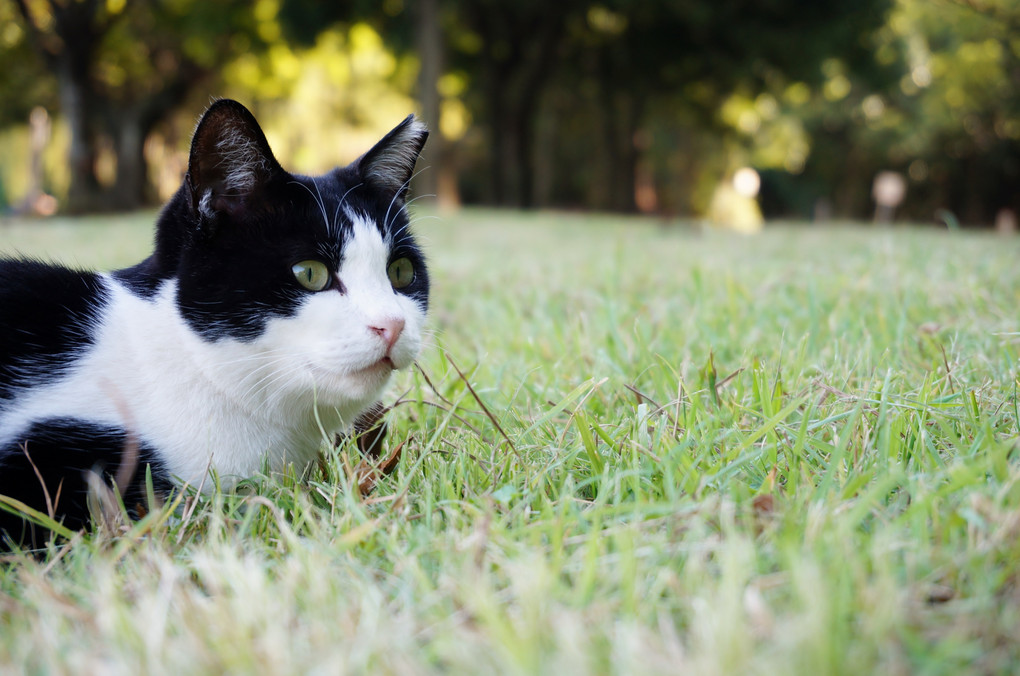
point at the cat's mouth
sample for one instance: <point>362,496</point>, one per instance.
<point>375,371</point>
<point>384,365</point>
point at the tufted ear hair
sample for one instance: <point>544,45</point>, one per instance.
<point>230,160</point>
<point>389,165</point>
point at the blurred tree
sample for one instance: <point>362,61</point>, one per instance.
<point>23,79</point>
<point>684,59</point>
<point>612,64</point>
<point>327,102</point>
<point>512,50</point>
<point>67,37</point>
<point>939,103</point>
<point>592,103</point>
<point>417,29</point>
<point>120,68</point>
<point>429,43</point>
<point>960,101</point>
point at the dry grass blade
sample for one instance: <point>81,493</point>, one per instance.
<point>104,506</point>
<point>51,504</point>
<point>642,397</point>
<point>481,403</point>
<point>428,381</point>
<point>370,430</point>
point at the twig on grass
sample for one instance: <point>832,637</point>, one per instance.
<point>481,403</point>
<point>949,371</point>
<point>432,387</point>
<point>460,418</point>
<point>658,409</point>
<point>51,505</point>
<point>193,503</point>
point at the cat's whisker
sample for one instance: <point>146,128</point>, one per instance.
<point>253,396</point>
<point>412,222</point>
<point>397,194</point>
<point>262,367</point>
<point>339,206</point>
<point>405,210</point>
<point>418,197</point>
<point>322,207</point>
<point>255,357</point>
<point>258,374</point>
<point>281,382</point>
<point>318,200</point>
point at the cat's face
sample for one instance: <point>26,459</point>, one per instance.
<point>313,284</point>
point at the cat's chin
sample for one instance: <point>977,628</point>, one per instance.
<point>379,372</point>
<point>365,384</point>
<point>384,365</point>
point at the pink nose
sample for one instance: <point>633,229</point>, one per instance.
<point>389,329</point>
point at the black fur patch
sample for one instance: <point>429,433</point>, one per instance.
<point>46,318</point>
<point>63,450</point>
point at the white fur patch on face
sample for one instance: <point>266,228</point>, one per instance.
<point>352,340</point>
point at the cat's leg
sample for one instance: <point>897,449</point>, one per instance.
<point>46,467</point>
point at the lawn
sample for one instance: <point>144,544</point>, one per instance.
<point>630,448</point>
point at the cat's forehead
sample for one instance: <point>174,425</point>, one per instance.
<point>341,206</point>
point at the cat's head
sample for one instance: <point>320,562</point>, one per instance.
<point>319,275</point>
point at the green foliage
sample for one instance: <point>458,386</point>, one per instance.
<point>631,449</point>
<point>22,75</point>
<point>935,102</point>
<point>607,105</point>
<point>347,89</point>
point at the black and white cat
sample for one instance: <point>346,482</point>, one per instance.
<point>270,316</point>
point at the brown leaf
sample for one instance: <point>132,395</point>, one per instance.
<point>939,593</point>
<point>763,504</point>
<point>368,473</point>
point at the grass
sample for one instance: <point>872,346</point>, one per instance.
<point>643,450</point>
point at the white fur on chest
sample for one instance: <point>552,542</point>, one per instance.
<point>228,404</point>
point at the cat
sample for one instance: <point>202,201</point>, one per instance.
<point>269,316</point>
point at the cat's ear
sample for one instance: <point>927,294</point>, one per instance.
<point>389,165</point>
<point>230,160</point>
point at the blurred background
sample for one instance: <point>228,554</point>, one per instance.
<point>728,111</point>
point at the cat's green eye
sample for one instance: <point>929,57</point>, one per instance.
<point>313,275</point>
<point>401,273</point>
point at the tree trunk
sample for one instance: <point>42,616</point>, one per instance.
<point>630,153</point>
<point>130,124</point>
<point>512,147</point>
<point>130,190</point>
<point>430,48</point>
<point>67,36</point>
<point>515,70</point>
<point>525,160</point>
<point>498,157</point>
<point>69,48</point>
<point>78,107</point>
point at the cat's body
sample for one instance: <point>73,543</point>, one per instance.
<point>268,318</point>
